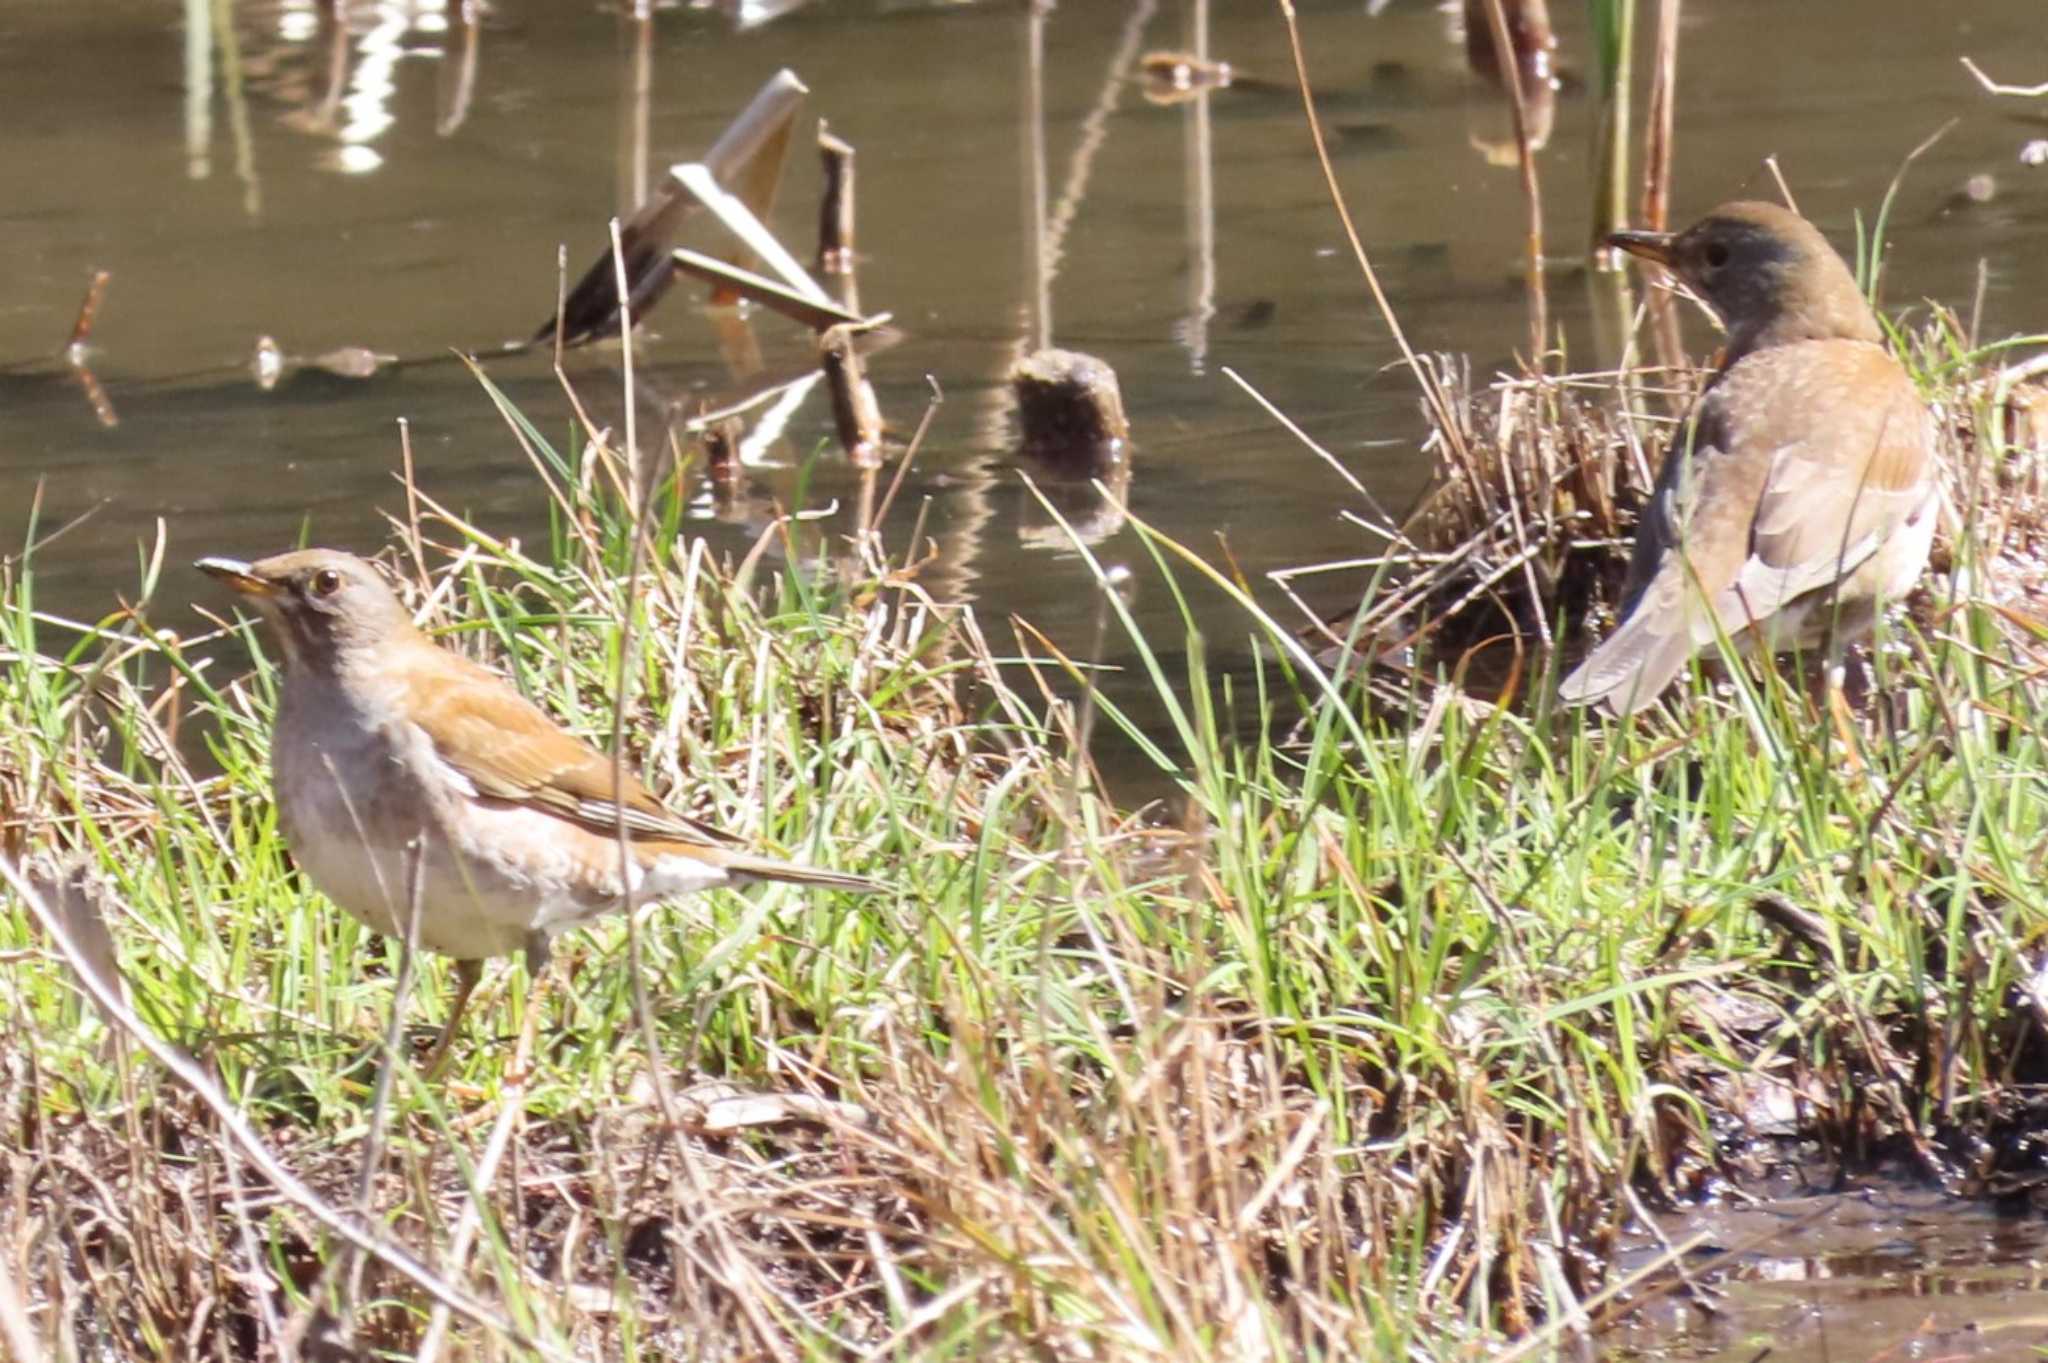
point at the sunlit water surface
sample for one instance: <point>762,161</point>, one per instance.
<point>402,181</point>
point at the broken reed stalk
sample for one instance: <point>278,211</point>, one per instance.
<point>732,282</point>
<point>856,416</point>
<point>1657,125</point>
<point>1614,23</point>
<point>1070,411</point>
<point>88,312</point>
<point>835,217</point>
<point>761,131</point>
<point>1510,66</point>
<point>720,441</point>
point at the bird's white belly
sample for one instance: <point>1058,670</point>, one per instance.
<point>373,836</point>
<point>369,814</point>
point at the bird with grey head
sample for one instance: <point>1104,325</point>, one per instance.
<point>1801,491</point>
<point>431,800</point>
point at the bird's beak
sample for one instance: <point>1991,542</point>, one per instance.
<point>237,574</point>
<point>1655,246</point>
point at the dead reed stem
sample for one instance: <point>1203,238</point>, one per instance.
<point>1610,129</point>
<point>835,217</point>
<point>88,312</point>
<point>1658,124</point>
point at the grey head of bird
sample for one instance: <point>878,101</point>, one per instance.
<point>1767,273</point>
<point>325,605</point>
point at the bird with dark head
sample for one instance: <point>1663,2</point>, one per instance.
<point>1802,489</point>
<point>412,781</point>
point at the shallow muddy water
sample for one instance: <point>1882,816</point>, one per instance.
<point>400,180</point>
<point>1885,1271</point>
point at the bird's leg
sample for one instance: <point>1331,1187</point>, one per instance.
<point>467,974</point>
<point>540,948</point>
<point>1855,678</point>
<point>1844,678</point>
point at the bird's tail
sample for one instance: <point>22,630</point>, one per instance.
<point>743,867</point>
<point>1632,667</point>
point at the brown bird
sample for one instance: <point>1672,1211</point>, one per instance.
<point>408,775</point>
<point>1803,487</point>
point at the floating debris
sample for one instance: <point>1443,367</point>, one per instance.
<point>268,363</point>
<point>1975,192</point>
<point>1172,77</point>
<point>272,366</point>
<point>351,362</point>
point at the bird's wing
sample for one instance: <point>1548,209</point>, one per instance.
<point>1836,490</point>
<point>509,749</point>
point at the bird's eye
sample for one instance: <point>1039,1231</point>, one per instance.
<point>326,582</point>
<point>1717,255</point>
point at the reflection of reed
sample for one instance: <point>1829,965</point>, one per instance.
<point>1201,200</point>
<point>456,111</point>
<point>1045,229</point>
<point>1037,264</point>
<point>1094,129</point>
<point>637,91</point>
<point>954,573</point>
<point>198,90</point>
<point>1508,61</point>
<point>230,46</point>
<point>326,112</point>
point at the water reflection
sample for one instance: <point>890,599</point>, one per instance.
<point>332,67</point>
<point>395,179</point>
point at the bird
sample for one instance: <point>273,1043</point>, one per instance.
<point>413,782</point>
<point>1802,489</point>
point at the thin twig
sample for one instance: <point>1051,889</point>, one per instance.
<point>2024,91</point>
<point>924,424</point>
<point>1440,410</point>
